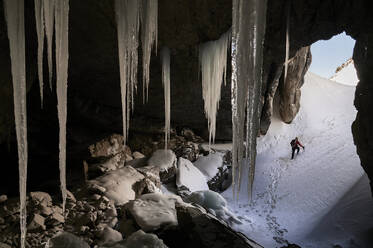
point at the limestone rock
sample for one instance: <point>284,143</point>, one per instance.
<point>41,198</point>
<point>36,223</point>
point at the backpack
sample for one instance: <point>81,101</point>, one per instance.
<point>293,143</point>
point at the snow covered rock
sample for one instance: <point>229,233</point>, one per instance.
<point>215,204</point>
<point>154,210</point>
<point>215,167</point>
<point>346,73</point>
<point>189,176</point>
<point>166,161</point>
<point>117,185</point>
<point>139,239</point>
<point>66,240</point>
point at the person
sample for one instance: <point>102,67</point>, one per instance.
<point>295,146</point>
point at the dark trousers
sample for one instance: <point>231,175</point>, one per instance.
<point>292,153</point>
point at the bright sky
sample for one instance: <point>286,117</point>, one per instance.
<point>327,55</point>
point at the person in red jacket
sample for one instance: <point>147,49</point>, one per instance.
<point>295,146</point>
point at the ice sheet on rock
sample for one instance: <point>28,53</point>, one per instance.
<point>62,61</point>
<point>139,239</point>
<point>287,42</point>
<point>165,55</point>
<point>209,164</point>
<point>48,7</point>
<point>14,16</point>
<point>118,184</point>
<point>213,62</point>
<point>149,38</point>
<point>164,159</point>
<point>128,19</point>
<point>39,20</point>
<point>190,176</point>
<point>215,204</point>
<point>66,240</point>
<point>151,211</point>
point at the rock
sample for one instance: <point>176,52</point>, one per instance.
<point>36,224</point>
<point>109,235</point>
<point>118,184</point>
<point>57,218</point>
<point>189,176</point>
<point>3,245</point>
<point>127,227</point>
<point>109,146</point>
<point>297,246</point>
<point>153,211</point>
<point>67,240</point>
<point>70,196</point>
<point>86,219</point>
<point>41,198</point>
<point>140,239</point>
<point>45,210</point>
<point>137,155</point>
<point>3,198</point>
<point>151,183</point>
<point>164,159</point>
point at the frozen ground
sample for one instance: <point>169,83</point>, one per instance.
<point>322,197</point>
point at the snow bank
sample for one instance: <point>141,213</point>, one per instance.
<point>215,204</point>
<point>151,211</point>
<point>209,164</point>
<point>164,159</point>
<point>139,239</point>
<point>118,184</point>
<point>189,176</point>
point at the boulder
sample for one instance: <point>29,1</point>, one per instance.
<point>189,176</point>
<point>67,240</point>
<point>36,224</point>
<point>109,146</point>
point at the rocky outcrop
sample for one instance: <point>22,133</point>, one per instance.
<point>289,88</point>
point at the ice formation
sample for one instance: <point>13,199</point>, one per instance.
<point>209,165</point>
<point>165,55</point>
<point>190,176</point>
<point>48,7</point>
<point>127,17</point>
<point>213,61</point>
<point>14,15</point>
<point>247,42</point>
<point>62,59</point>
<point>39,20</point>
<point>287,41</point>
<point>149,37</point>
<point>164,159</point>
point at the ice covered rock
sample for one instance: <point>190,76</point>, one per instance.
<point>139,239</point>
<point>118,184</point>
<point>108,236</point>
<point>154,210</point>
<point>215,204</point>
<point>67,240</point>
<point>189,176</point>
<point>209,164</point>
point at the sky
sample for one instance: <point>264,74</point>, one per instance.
<point>328,55</point>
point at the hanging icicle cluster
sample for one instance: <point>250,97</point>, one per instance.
<point>14,15</point>
<point>249,17</point>
<point>128,15</point>
<point>213,62</point>
<point>39,20</point>
<point>165,57</point>
<point>149,38</point>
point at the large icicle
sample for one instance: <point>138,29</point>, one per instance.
<point>213,61</point>
<point>149,38</point>
<point>39,20</point>
<point>165,56</point>
<point>127,17</point>
<point>287,41</point>
<point>62,59</point>
<point>247,41</point>
<point>14,15</point>
<point>48,6</point>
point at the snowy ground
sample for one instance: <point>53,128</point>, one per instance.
<point>322,197</point>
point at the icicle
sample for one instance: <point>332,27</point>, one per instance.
<point>287,41</point>
<point>48,6</point>
<point>127,17</point>
<point>149,38</point>
<point>247,43</point>
<point>14,15</point>
<point>165,56</point>
<point>62,59</point>
<point>213,61</point>
<point>39,19</point>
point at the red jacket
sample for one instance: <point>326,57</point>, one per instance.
<point>298,143</point>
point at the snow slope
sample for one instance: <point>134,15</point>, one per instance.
<point>347,74</point>
<point>322,197</point>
